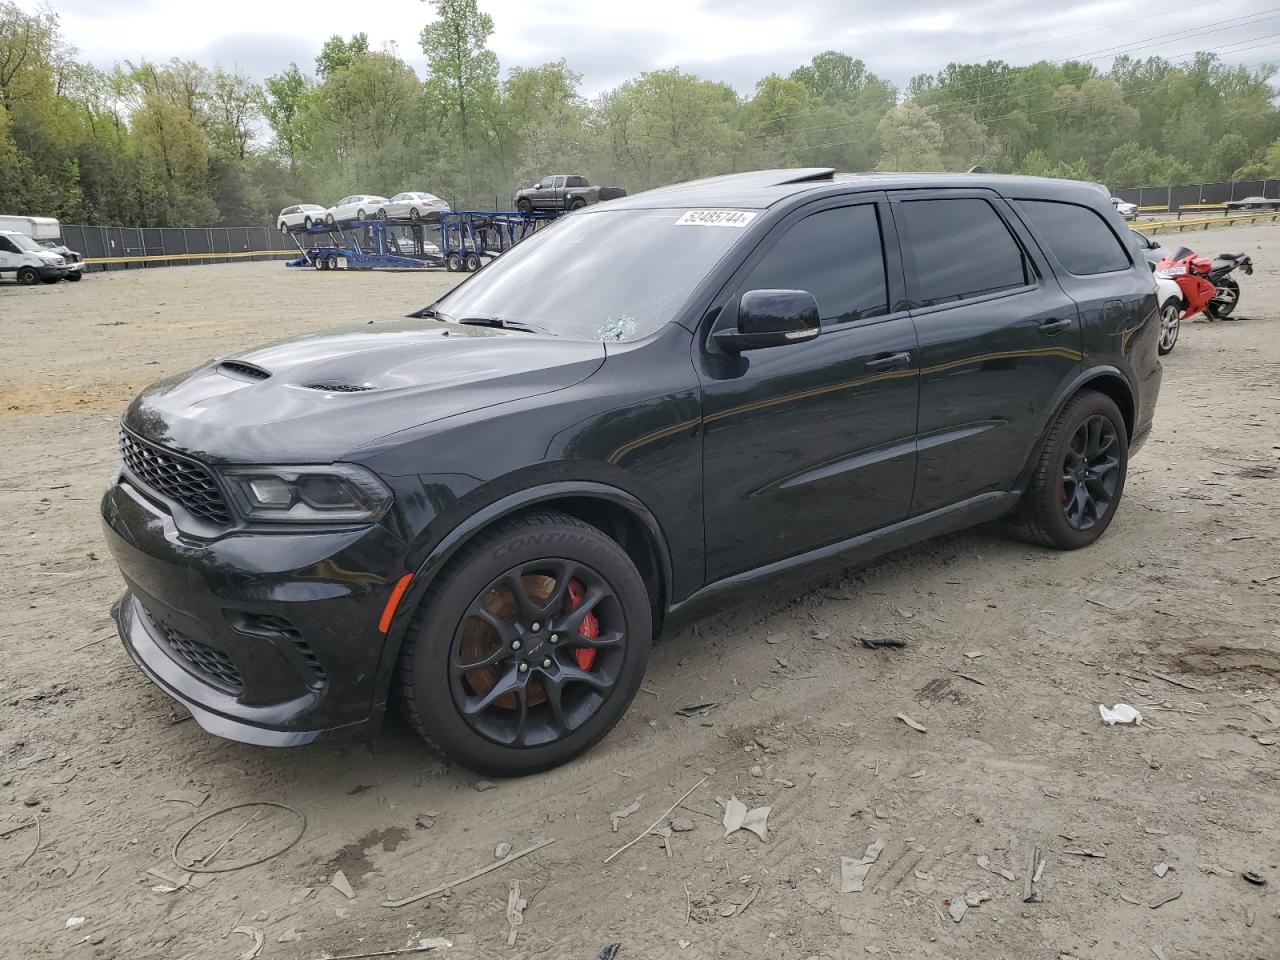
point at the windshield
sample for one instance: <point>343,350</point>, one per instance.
<point>607,275</point>
<point>23,242</point>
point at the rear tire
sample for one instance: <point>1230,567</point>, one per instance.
<point>453,263</point>
<point>471,263</point>
<point>307,223</point>
<point>1224,300</point>
<point>413,214</point>
<point>577,203</point>
<point>1075,490</point>
<point>520,732</point>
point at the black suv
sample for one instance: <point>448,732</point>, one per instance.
<point>489,510</point>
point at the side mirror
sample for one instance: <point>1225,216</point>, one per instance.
<point>771,318</point>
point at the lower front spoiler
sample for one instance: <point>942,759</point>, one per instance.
<point>217,712</point>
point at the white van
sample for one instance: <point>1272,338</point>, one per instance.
<point>47,232</point>
<point>28,261</point>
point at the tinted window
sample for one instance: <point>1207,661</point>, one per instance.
<point>837,256</point>
<point>577,181</point>
<point>6,246</point>
<point>631,272</point>
<point>962,249</point>
<point>1079,238</point>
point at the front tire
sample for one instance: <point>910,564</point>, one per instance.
<point>528,648</point>
<point>307,223</point>
<point>1170,325</point>
<point>1224,300</point>
<point>27,276</point>
<point>75,276</point>
<point>360,215</point>
<point>284,228</point>
<point>413,214</point>
<point>525,207</point>
<point>1078,481</point>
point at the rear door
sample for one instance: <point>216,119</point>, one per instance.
<point>812,443</point>
<point>999,338</point>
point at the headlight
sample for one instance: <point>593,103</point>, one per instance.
<point>338,493</point>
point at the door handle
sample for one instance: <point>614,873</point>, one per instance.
<point>1050,327</point>
<point>890,361</point>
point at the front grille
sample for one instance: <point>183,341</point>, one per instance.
<point>212,664</point>
<point>184,481</point>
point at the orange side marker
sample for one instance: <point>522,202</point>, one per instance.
<point>393,601</point>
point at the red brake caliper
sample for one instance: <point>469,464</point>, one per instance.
<point>590,628</point>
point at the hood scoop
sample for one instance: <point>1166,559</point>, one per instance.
<point>339,387</point>
<point>242,371</point>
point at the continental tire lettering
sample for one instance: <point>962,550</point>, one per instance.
<point>539,540</point>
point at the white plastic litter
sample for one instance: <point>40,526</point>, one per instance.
<point>1120,713</point>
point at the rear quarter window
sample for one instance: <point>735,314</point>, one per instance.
<point>1081,240</point>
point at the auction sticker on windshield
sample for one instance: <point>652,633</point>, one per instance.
<point>715,218</point>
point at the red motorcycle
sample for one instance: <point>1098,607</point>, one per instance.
<point>1206,282</point>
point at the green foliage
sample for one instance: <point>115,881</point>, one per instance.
<point>156,144</point>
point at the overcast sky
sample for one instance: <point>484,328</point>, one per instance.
<point>736,41</point>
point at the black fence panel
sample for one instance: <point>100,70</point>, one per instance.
<point>1193,195</point>
<point>131,248</point>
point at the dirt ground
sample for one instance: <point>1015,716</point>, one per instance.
<point>1009,651</point>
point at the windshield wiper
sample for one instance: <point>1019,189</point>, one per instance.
<point>501,324</point>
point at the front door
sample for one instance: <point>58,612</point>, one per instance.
<point>998,340</point>
<point>812,443</point>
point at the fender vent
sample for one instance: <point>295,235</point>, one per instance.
<point>242,371</point>
<point>338,387</point>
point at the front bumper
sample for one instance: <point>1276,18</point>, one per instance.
<point>52,271</point>
<point>267,638</point>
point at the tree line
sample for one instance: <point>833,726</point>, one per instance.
<point>180,144</point>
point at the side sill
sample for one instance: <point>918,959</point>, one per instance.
<point>844,553</point>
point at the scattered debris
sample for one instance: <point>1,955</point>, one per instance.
<point>194,797</point>
<point>289,936</point>
<point>877,643</point>
<point>682,825</point>
<point>697,710</point>
<point>985,863</point>
<point>1120,713</point>
<point>1035,864</point>
<point>515,911</point>
<point>738,817</point>
<point>1082,852</point>
<point>664,816</point>
<point>36,846</point>
<point>342,885</point>
<point>1160,869</point>
<point>756,771</point>
<point>478,872</point>
<point>911,723</point>
<point>1257,879</point>
<point>976,899</point>
<point>483,785</point>
<point>917,775</point>
<point>1128,899</point>
<point>12,830</point>
<point>1160,901</point>
<point>1215,869</point>
<point>430,943</point>
<point>255,935</point>
<point>618,816</point>
<point>957,907</point>
<point>853,873</point>
<point>609,952</point>
<point>971,679</point>
<point>501,850</point>
<point>973,654</point>
<point>665,834</point>
<point>202,864</point>
<point>751,898</point>
<point>1157,952</point>
<point>73,922</point>
<point>1185,684</point>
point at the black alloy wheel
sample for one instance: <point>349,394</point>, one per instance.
<point>1078,478</point>
<point>528,647</point>
<point>537,652</point>
<point>1090,472</point>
